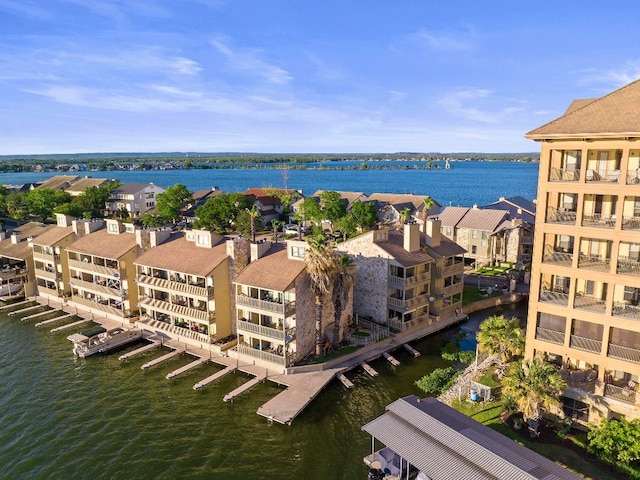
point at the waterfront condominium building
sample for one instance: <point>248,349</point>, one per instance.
<point>134,198</point>
<point>184,288</point>
<point>584,311</point>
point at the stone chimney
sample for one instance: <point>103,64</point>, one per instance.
<point>85,227</point>
<point>259,248</point>
<point>433,234</point>
<point>239,249</point>
<point>411,237</point>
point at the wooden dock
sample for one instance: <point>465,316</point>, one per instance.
<point>138,351</point>
<point>411,350</point>
<point>244,387</point>
<point>35,315</point>
<point>368,369</point>
<point>191,365</point>
<point>163,358</point>
<point>392,360</point>
<point>345,381</point>
<point>16,312</point>
<point>53,320</point>
<point>214,377</point>
<point>10,305</point>
<point>69,325</point>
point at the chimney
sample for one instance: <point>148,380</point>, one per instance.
<point>259,248</point>
<point>239,249</point>
<point>16,238</point>
<point>411,237</point>
<point>63,220</point>
<point>433,233</point>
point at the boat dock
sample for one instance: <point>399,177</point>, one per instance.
<point>163,358</point>
<point>35,315</point>
<point>411,350</point>
<point>367,368</point>
<point>138,351</point>
<point>10,305</point>
<point>391,359</point>
<point>191,365</point>
<point>16,312</point>
<point>345,381</point>
<point>214,377</point>
<point>245,386</point>
<point>69,325</point>
<point>53,320</point>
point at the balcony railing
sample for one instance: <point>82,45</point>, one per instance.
<point>408,281</point>
<point>44,273</point>
<point>626,266</point>
<point>174,287</point>
<point>584,343</point>
<point>598,220</point>
<point>52,292</point>
<point>623,394</point>
<point>270,332</point>
<point>624,310</point>
<point>46,257</point>
<point>556,256</point>
<point>97,306</point>
<point>11,273</point>
<point>633,177</point>
<point>565,217</point>
<point>563,175</point>
<point>266,356</point>
<point>410,303</point>
<point>631,223</point>
<point>287,309</point>
<point>591,304</point>
<point>176,330</point>
<point>448,270</point>
<point>556,298</point>
<point>97,288</point>
<point>178,310</point>
<point>609,176</point>
<point>551,336</point>
<point>90,267</point>
<point>624,353</point>
<point>594,262</point>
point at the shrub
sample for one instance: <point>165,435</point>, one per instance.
<point>437,381</point>
<point>616,441</point>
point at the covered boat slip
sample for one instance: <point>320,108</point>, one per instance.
<point>441,443</point>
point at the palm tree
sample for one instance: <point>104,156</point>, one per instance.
<point>534,385</point>
<point>276,224</point>
<point>344,280</point>
<point>426,205</point>
<point>501,336</point>
<point>404,214</point>
<point>322,267</point>
<point>254,212</point>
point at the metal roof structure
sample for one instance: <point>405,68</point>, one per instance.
<point>444,444</point>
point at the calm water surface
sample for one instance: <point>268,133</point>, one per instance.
<point>465,184</point>
<point>99,418</point>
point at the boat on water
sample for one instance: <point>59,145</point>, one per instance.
<point>89,343</point>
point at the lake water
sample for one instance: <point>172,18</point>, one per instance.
<point>99,418</point>
<point>465,184</point>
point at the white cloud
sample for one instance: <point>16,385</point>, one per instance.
<point>442,41</point>
<point>613,78</point>
<point>465,104</point>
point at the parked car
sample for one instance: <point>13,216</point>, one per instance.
<point>291,229</point>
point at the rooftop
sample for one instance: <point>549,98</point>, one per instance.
<point>395,248</point>
<point>274,271</point>
<point>104,244</point>
<point>52,236</point>
<point>22,250</point>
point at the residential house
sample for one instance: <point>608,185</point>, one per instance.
<point>269,203</point>
<point>184,287</point>
<point>134,198</point>
<point>16,258</point>
<point>78,187</point>
<point>392,207</point>
<point>199,198</point>
<point>58,182</point>
<point>584,308</point>
<point>50,261</point>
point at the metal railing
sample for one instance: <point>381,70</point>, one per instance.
<point>624,353</point>
<point>551,255</point>
<point>263,355</point>
<point>556,298</point>
<point>598,220</point>
<point>624,310</point>
<point>627,266</point>
<point>594,262</point>
<point>591,304</point>
<point>623,394</point>
<point>563,175</point>
<point>551,336</point>
<point>584,343</point>
<point>287,309</point>
<point>631,223</point>
<point>566,217</point>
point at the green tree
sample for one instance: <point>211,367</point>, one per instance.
<point>347,226</point>
<point>332,206</point>
<point>309,210</point>
<point>534,385</point>
<point>364,214</point>
<point>426,205</point>
<point>501,336</point>
<point>437,381</point>
<point>343,281</point>
<point>153,219</point>
<point>616,441</point>
<point>16,207</point>
<point>93,200</point>
<point>172,201</point>
<point>220,213</point>
<point>42,201</point>
<point>321,265</point>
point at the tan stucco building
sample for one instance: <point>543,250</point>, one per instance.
<point>584,311</point>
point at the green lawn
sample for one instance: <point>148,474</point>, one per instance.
<point>472,294</point>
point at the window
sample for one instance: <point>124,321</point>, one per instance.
<point>113,227</point>
<point>484,235</point>
<point>203,240</point>
<point>474,249</point>
<point>474,234</point>
<point>297,252</point>
<point>590,287</point>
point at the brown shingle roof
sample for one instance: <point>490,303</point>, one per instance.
<point>615,113</point>
<point>451,216</point>
<point>81,185</point>
<point>22,250</point>
<point>395,248</point>
<point>487,220</point>
<point>447,248</point>
<point>274,271</point>
<point>59,182</point>
<point>130,188</point>
<point>179,255</point>
<point>396,199</point>
<point>104,244</point>
<point>53,236</point>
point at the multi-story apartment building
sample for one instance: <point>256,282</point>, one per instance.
<point>50,262</point>
<point>101,269</point>
<point>16,258</point>
<point>584,310</point>
<point>135,198</point>
<point>184,287</point>
<point>275,306</point>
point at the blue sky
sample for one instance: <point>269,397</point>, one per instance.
<point>300,76</point>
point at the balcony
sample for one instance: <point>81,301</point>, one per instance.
<point>452,289</point>
<point>12,273</point>
<point>45,257</point>
<point>175,330</point>
<point>97,306</point>
<point>583,380</point>
<point>270,332</point>
<point>557,256</point>
<point>174,287</point>
<point>92,268</point>
<point>52,292</point>
<point>409,281</point>
<point>586,344</point>
<point>96,288</point>
<point>631,223</point>
<point>49,274</point>
<point>627,266</point>
<point>608,176</point>
<point>623,394</point>
<point>551,336</point>
<point>563,175</point>
<point>555,298</point>
<point>594,262</point>
<point>448,270</point>
<point>263,355</point>
<point>181,311</point>
<point>410,303</point>
<point>591,304</point>
<point>633,177</point>
<point>562,216</point>
<point>287,310</point>
<point>624,353</point>
<point>632,312</point>
<point>598,220</point>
